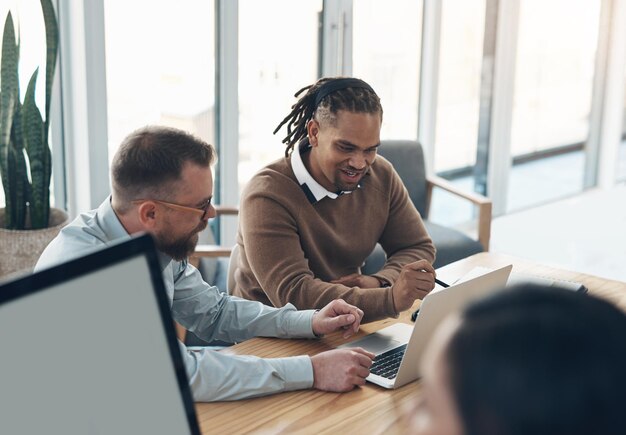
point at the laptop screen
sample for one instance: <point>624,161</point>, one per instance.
<point>88,347</point>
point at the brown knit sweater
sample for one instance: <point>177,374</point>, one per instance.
<point>290,248</point>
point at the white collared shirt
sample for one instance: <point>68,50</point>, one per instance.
<point>313,190</point>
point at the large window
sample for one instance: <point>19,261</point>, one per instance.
<point>460,60</point>
<point>160,66</point>
<point>278,55</point>
<point>389,58</point>
<point>552,98</point>
<point>555,65</point>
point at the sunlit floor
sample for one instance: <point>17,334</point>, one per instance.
<point>551,220</point>
<point>584,233</point>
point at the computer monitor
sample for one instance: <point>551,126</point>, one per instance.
<point>89,347</point>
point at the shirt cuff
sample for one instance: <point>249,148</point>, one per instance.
<point>301,324</point>
<point>297,371</point>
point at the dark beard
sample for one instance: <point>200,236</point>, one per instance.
<point>178,249</point>
<point>342,187</point>
<point>346,187</point>
<point>181,248</point>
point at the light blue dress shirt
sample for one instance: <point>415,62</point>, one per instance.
<point>207,312</point>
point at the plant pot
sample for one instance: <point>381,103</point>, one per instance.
<point>20,249</point>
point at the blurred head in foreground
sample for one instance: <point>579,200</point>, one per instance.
<point>532,360</point>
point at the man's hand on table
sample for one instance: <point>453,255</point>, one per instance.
<point>341,370</point>
<point>335,316</point>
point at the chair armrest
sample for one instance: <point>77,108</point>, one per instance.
<point>223,210</point>
<point>211,251</point>
<point>444,184</point>
<point>483,203</point>
<point>214,251</point>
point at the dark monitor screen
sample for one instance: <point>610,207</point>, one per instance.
<point>89,347</point>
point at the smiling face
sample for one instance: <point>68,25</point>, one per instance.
<point>342,151</point>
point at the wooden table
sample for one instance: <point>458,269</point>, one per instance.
<point>366,410</point>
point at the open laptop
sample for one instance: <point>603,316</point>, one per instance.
<point>89,347</point>
<point>399,347</point>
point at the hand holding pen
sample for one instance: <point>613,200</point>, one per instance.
<point>416,280</point>
<point>416,312</point>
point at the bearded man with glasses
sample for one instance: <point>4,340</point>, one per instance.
<point>163,185</point>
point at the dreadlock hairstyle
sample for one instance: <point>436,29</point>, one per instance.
<point>323,100</point>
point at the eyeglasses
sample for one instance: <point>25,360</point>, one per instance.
<point>203,211</point>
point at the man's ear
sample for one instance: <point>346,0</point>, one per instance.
<point>147,213</point>
<point>313,130</point>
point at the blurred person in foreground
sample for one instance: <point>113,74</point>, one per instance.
<point>532,360</point>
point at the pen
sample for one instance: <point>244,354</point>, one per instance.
<point>441,283</point>
<point>416,312</point>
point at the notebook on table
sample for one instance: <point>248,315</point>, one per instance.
<point>89,347</point>
<point>400,347</point>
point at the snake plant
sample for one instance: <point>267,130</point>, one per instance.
<point>25,159</point>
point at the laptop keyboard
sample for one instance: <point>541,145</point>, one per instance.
<point>387,364</point>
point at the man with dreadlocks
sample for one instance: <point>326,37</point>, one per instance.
<point>309,220</point>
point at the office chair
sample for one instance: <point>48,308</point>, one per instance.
<point>407,157</point>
